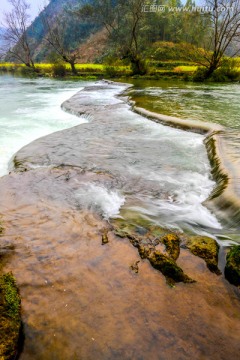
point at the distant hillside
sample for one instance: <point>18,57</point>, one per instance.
<point>76,32</point>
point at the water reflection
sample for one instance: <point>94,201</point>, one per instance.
<point>217,103</point>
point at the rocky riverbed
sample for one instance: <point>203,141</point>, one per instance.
<point>98,285</point>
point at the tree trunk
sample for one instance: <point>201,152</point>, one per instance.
<point>73,68</point>
<point>138,66</point>
<point>210,71</point>
<point>214,64</point>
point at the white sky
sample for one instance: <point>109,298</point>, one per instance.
<point>35,5</point>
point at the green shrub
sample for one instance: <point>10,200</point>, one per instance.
<point>139,68</point>
<point>200,74</point>
<point>111,71</point>
<point>59,70</point>
<point>28,71</point>
<point>219,75</point>
<point>227,71</point>
<point>166,50</point>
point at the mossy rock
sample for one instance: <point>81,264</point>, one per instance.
<point>207,249</point>
<point>232,268</point>
<point>10,317</point>
<point>1,228</point>
<point>168,268</point>
<point>105,239</point>
<point>163,263</point>
<point>146,242</point>
<point>144,251</point>
<point>172,245</point>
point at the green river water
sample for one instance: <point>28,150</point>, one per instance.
<point>218,103</point>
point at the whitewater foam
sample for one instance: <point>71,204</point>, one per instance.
<point>28,113</point>
<point>99,199</point>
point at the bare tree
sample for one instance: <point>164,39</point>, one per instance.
<point>56,38</point>
<point>224,32</point>
<point>16,38</point>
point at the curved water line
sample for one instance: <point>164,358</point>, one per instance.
<point>222,197</point>
<point>225,196</point>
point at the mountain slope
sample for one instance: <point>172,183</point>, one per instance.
<point>76,31</point>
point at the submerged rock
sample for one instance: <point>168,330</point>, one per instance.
<point>207,249</point>
<point>232,269</point>
<point>10,317</point>
<point>172,244</point>
<point>1,228</point>
<point>146,242</point>
<point>105,239</point>
<point>134,267</point>
<point>168,268</point>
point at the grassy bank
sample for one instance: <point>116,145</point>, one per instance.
<point>155,70</point>
<point>175,69</point>
<point>92,71</point>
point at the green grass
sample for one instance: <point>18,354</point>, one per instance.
<point>157,69</point>
<point>84,70</point>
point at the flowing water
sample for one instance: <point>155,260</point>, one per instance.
<point>212,103</point>
<point>160,172</point>
<point>80,300</point>
<point>30,109</point>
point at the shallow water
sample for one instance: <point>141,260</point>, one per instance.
<point>161,172</point>
<point>80,299</point>
<point>29,109</point>
<point>218,103</point>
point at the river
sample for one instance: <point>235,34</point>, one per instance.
<point>80,299</point>
<point>218,103</point>
<point>166,169</point>
<point>31,109</point>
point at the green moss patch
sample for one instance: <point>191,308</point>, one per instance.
<point>10,317</point>
<point>146,237</point>
<point>232,269</point>
<point>207,249</point>
<point>168,267</point>
<point>172,245</point>
<point>1,228</point>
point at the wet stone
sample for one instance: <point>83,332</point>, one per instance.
<point>172,245</point>
<point>146,245</point>
<point>168,268</point>
<point>10,317</point>
<point>105,239</point>
<point>207,249</point>
<point>232,269</point>
<point>134,267</point>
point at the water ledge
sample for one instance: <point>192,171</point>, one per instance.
<point>226,195</point>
